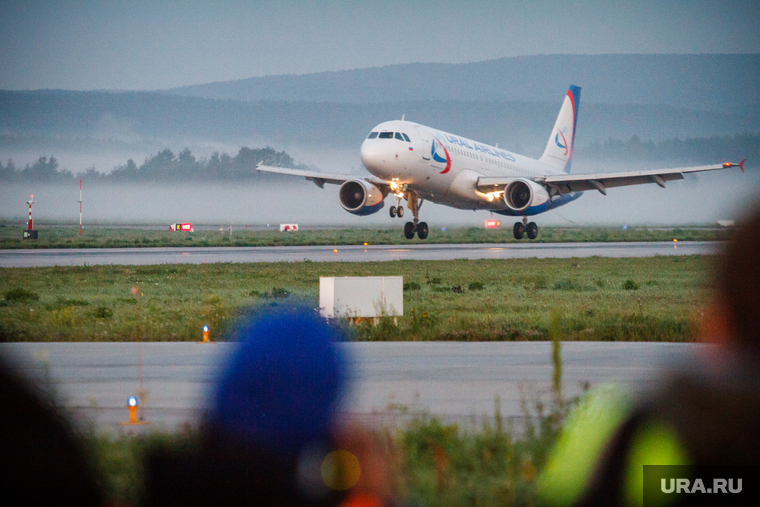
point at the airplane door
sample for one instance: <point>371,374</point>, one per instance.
<point>427,143</point>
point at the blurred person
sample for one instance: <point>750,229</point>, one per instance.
<point>43,460</point>
<point>705,414</point>
<point>273,436</point>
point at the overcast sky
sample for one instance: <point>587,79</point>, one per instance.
<point>142,45</point>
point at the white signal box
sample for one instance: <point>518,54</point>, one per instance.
<point>361,296</point>
<point>288,227</point>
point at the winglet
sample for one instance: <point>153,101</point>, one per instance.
<point>731,164</point>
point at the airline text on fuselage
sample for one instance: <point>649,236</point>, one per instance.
<point>494,152</point>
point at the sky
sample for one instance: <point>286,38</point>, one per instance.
<point>147,45</point>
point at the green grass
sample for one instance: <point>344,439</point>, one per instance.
<point>58,237</point>
<point>653,299</point>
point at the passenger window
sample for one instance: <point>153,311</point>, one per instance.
<point>372,135</point>
<point>406,138</point>
<point>398,136</point>
<point>386,135</point>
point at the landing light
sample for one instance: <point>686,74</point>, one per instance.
<point>727,164</point>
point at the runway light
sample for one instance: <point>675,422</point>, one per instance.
<point>335,252</point>
<point>205,333</point>
<point>675,240</point>
<point>132,406</point>
<point>365,247</point>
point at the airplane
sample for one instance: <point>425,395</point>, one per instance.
<point>417,163</point>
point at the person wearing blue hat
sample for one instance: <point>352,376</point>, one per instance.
<point>272,422</point>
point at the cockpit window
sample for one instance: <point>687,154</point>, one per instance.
<point>398,136</point>
<point>372,135</point>
<point>406,138</point>
<point>386,135</point>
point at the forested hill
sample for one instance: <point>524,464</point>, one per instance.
<point>726,83</point>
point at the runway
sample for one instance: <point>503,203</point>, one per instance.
<point>371,253</point>
<point>457,381</point>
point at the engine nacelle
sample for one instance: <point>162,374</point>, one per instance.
<point>521,194</point>
<point>361,197</point>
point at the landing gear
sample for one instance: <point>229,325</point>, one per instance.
<point>532,230</point>
<point>397,210</point>
<point>410,228</point>
<point>518,230</point>
<point>523,228</point>
<point>422,230</point>
<point>392,211</point>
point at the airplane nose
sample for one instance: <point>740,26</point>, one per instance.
<point>372,157</point>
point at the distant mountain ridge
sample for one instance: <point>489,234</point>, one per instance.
<point>723,82</point>
<point>515,125</point>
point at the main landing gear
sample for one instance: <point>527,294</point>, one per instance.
<point>520,229</point>
<point>411,228</point>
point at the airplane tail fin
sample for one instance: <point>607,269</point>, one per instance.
<point>559,149</point>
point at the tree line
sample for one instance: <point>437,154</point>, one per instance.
<point>697,150</point>
<point>163,166</point>
<point>167,166</point>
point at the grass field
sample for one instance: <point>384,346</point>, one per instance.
<point>436,463</point>
<point>656,299</point>
<point>59,237</point>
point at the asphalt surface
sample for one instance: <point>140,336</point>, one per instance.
<point>142,256</point>
<point>457,381</point>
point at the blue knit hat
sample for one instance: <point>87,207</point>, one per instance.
<point>281,388</point>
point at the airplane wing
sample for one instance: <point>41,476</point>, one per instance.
<point>560,184</point>
<point>320,178</point>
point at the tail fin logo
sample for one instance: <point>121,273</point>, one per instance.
<point>437,157</point>
<point>564,140</point>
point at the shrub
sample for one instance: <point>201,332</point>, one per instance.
<point>103,312</point>
<point>21,295</point>
<point>630,285</point>
<point>475,286</point>
<point>567,285</point>
<point>410,286</point>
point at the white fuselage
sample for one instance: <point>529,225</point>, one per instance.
<point>441,167</point>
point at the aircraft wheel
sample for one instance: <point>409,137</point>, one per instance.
<point>422,230</point>
<point>518,230</point>
<point>400,211</point>
<point>409,230</point>
<point>392,211</point>
<point>532,230</point>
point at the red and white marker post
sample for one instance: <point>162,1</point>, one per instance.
<point>29,202</point>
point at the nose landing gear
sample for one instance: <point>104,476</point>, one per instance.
<point>520,229</point>
<point>397,210</point>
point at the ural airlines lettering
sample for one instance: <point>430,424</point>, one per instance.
<point>400,154</point>
<point>483,148</point>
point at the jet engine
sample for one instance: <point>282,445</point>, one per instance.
<point>521,194</point>
<point>361,197</point>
